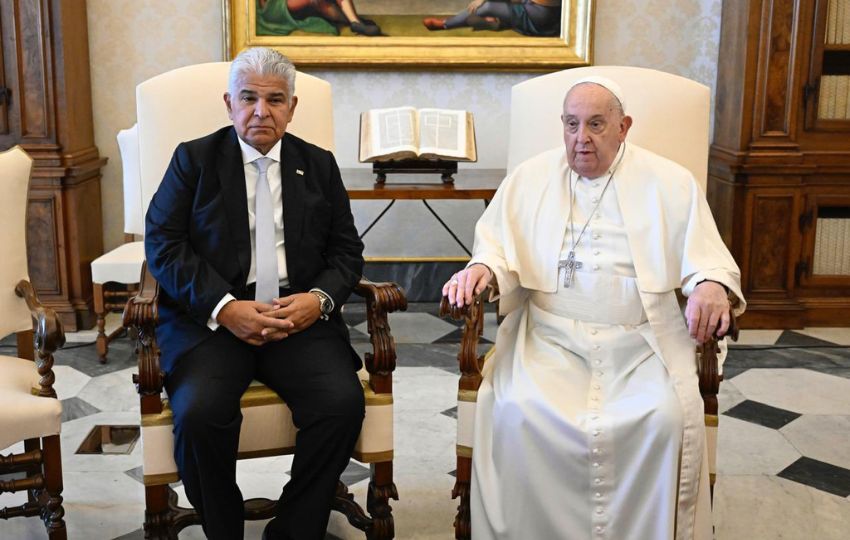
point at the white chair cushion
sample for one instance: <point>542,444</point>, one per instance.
<point>122,265</point>
<point>24,415</point>
<point>267,430</point>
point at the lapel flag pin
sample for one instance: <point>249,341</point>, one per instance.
<point>299,171</point>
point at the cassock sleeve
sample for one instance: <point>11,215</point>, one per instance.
<point>492,234</point>
<point>705,256</point>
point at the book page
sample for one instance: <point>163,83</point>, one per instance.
<point>443,133</point>
<point>388,134</point>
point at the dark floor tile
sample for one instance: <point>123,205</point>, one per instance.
<point>74,407</point>
<point>761,414</point>
<point>451,413</point>
<point>83,357</point>
<point>819,475</point>
<point>137,474</point>
<point>354,473</point>
<point>453,473</point>
<point>816,359</point>
<point>790,337</point>
<point>456,337</point>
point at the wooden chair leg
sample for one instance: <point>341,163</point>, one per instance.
<point>381,490</point>
<point>102,342</point>
<point>463,528</point>
<point>158,518</point>
<point>53,514</point>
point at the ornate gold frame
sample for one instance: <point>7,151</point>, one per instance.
<point>518,53</point>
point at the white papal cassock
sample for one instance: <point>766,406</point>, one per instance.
<point>589,419</point>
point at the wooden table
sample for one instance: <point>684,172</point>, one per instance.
<point>469,184</point>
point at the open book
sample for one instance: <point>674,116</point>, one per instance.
<point>408,133</point>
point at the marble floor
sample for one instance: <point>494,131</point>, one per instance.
<point>783,458</point>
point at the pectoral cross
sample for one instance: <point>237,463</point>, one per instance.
<point>569,265</point>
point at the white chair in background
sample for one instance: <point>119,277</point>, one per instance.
<point>123,264</point>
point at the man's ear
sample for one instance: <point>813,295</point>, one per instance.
<point>226,97</point>
<point>292,107</point>
<point>625,125</point>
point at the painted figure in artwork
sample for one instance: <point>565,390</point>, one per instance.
<point>528,17</point>
<point>282,17</point>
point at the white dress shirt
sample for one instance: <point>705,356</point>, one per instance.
<point>249,155</point>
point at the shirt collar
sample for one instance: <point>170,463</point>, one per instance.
<point>251,154</point>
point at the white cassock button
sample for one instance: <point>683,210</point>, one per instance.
<point>599,510</point>
<point>597,481</point>
<point>600,530</point>
<point>597,347</point>
<point>593,331</point>
<point>594,398</point>
<point>597,236</point>
<point>595,450</point>
<point>600,373</point>
<point>596,432</point>
<point>596,252</point>
<point>597,362</point>
<point>596,267</point>
<point>596,387</point>
<point>598,495</point>
<point>595,199</point>
<point>594,417</point>
<point>595,464</point>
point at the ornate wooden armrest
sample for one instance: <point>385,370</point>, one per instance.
<point>48,336</point>
<point>473,317</point>
<point>141,314</point>
<point>381,299</point>
<point>708,366</point>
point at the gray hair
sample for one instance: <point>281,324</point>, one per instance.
<point>261,61</point>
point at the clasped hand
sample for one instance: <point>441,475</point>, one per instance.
<point>257,322</point>
<point>708,311</point>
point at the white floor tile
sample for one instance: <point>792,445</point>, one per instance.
<point>747,448</point>
<point>825,438</point>
<point>840,336</point>
<point>758,337</point>
<point>798,390</point>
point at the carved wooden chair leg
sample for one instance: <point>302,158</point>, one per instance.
<point>102,341</point>
<point>463,477</point>
<point>158,518</point>
<point>381,490</point>
<point>53,513</point>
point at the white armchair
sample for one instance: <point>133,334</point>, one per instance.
<point>185,104</point>
<point>29,409</point>
<point>671,118</point>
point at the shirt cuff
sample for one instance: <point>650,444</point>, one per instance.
<point>707,275</point>
<point>212,324</point>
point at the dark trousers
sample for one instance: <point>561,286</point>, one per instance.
<point>313,372</point>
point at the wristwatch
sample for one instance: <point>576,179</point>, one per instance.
<point>325,304</point>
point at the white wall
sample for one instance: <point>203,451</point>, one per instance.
<point>132,40</point>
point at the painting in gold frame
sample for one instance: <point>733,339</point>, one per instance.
<point>405,45</point>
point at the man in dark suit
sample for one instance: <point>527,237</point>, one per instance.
<point>251,238</point>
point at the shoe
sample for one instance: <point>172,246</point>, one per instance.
<point>433,23</point>
<point>365,29</point>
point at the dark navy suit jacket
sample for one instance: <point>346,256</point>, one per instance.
<point>198,245</point>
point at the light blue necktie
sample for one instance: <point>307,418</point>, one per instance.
<point>264,234</point>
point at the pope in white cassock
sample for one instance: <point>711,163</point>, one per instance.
<point>589,421</point>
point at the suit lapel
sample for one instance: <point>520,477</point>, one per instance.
<point>232,178</point>
<point>293,198</point>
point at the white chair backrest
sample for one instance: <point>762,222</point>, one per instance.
<point>671,114</point>
<point>15,169</point>
<point>134,212</point>
<point>187,103</point>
